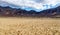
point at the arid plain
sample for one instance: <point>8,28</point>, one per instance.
<point>29,26</point>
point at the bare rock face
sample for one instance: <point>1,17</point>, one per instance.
<point>8,11</point>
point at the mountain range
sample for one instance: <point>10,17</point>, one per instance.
<point>8,11</point>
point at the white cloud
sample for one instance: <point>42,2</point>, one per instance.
<point>45,4</point>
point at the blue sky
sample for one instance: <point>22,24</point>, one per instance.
<point>37,5</point>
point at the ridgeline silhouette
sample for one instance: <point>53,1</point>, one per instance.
<point>8,11</point>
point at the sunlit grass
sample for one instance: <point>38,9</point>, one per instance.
<point>29,26</point>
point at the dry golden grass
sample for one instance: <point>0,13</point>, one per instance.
<point>29,26</point>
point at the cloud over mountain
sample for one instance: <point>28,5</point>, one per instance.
<point>32,4</point>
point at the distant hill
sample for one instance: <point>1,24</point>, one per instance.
<point>8,11</point>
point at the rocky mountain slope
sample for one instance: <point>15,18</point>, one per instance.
<point>8,11</point>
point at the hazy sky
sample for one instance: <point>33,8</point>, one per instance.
<point>32,4</point>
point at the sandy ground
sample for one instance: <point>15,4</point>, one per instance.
<point>29,26</point>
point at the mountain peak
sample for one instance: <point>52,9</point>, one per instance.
<point>8,11</point>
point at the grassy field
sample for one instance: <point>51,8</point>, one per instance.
<point>29,26</point>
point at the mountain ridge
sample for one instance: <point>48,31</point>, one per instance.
<point>8,11</point>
